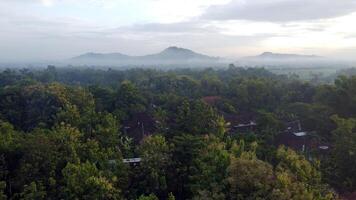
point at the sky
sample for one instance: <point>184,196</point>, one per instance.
<point>38,30</point>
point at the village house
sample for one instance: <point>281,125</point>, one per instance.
<point>241,123</point>
<point>299,140</point>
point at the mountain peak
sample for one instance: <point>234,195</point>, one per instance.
<point>174,52</point>
<point>177,49</point>
<point>172,48</point>
<point>267,53</point>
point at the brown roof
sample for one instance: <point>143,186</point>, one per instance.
<point>236,119</point>
<point>296,142</point>
<point>211,100</point>
<point>349,196</point>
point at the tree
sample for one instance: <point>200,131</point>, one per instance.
<point>292,178</point>
<point>8,137</point>
<point>30,106</point>
<point>286,187</point>
<point>104,128</point>
<point>85,181</point>
<point>211,85</point>
<point>196,118</point>
<point>186,149</point>
<point>2,190</point>
<point>343,155</point>
<point>254,93</point>
<point>303,170</point>
<point>128,100</point>
<point>10,142</point>
<point>250,178</point>
<point>171,197</point>
<point>104,98</point>
<point>44,153</point>
<point>33,192</point>
<point>297,178</point>
<point>155,155</point>
<point>209,180</point>
<point>340,96</point>
<point>150,197</point>
<point>49,74</point>
<point>268,125</point>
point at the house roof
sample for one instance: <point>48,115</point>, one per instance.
<point>240,119</point>
<point>300,134</point>
<point>293,126</point>
<point>211,100</point>
<point>296,142</point>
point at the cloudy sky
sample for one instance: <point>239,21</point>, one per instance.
<point>57,29</point>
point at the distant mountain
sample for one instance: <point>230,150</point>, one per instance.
<point>101,56</point>
<point>270,55</point>
<point>169,56</point>
<point>269,59</point>
<point>280,56</point>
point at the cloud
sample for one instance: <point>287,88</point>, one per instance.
<point>201,36</point>
<point>280,10</point>
<point>185,27</point>
<point>67,37</point>
<point>47,2</point>
<point>58,29</point>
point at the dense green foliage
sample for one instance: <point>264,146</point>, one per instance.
<point>63,135</point>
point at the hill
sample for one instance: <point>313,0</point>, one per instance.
<point>169,56</point>
<point>285,60</point>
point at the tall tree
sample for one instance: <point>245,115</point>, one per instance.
<point>343,156</point>
<point>155,155</point>
<point>209,180</point>
<point>186,150</point>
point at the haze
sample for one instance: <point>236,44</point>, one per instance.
<point>40,30</point>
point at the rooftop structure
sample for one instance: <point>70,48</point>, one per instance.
<point>132,160</point>
<point>241,123</point>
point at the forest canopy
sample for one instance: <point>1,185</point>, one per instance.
<point>236,133</point>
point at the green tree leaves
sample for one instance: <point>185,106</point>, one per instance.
<point>292,178</point>
<point>85,181</point>
<point>343,155</point>
<point>156,159</point>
